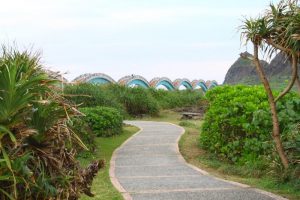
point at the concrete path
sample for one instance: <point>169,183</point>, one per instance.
<point>149,166</point>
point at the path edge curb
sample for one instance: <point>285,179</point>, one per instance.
<point>112,167</point>
<point>127,196</point>
<point>269,194</point>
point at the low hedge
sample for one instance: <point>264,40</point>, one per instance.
<point>104,121</point>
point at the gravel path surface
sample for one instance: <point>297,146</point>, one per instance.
<point>149,166</point>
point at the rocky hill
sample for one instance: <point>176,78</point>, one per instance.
<point>243,70</point>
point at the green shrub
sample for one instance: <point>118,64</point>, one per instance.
<point>104,121</point>
<point>238,126</point>
<point>138,101</point>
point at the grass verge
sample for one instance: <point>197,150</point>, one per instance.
<point>193,154</point>
<point>102,186</point>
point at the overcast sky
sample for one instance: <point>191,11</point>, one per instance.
<point>194,39</point>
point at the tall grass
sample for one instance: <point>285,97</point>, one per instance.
<point>177,98</point>
<point>131,101</point>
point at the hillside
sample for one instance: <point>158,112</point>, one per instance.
<point>243,71</point>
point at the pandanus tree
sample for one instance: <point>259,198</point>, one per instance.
<point>277,30</point>
<point>37,145</point>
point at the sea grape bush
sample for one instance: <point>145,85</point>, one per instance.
<point>104,121</point>
<point>238,126</point>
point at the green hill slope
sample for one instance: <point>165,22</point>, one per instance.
<point>243,71</point>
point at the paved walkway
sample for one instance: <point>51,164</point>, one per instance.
<point>149,166</point>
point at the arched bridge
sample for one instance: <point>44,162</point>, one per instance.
<point>136,80</point>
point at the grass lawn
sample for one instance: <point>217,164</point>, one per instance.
<point>193,154</point>
<point>102,187</point>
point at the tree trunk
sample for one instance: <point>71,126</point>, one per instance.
<point>294,62</point>
<point>298,83</point>
<point>275,121</point>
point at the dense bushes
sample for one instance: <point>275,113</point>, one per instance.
<point>104,121</point>
<point>131,101</point>
<point>238,124</point>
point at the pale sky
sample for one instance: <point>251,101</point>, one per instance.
<point>194,39</point>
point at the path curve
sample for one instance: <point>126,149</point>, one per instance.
<point>149,166</point>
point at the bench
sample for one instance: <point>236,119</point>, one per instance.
<point>190,115</point>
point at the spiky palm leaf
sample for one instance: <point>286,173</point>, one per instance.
<point>21,82</point>
<point>37,158</point>
<point>284,21</point>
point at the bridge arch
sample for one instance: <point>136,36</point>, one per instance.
<point>134,80</point>
<point>211,84</point>
<point>185,82</point>
<point>201,83</point>
<point>97,78</point>
<point>156,82</point>
<point>55,75</point>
